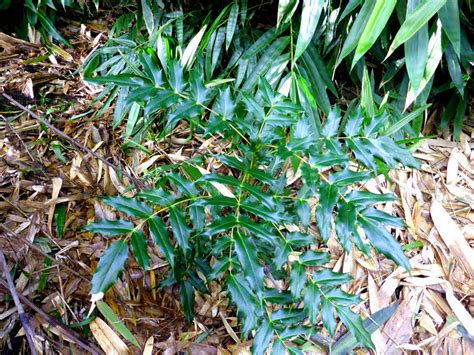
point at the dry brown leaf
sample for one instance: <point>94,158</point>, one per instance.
<point>108,340</point>
<point>461,313</point>
<point>399,328</point>
<point>57,184</point>
<point>453,166</point>
<point>427,323</point>
<point>148,349</point>
<point>453,237</point>
<point>229,329</point>
<point>374,300</point>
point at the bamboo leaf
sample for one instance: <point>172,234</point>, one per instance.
<point>49,26</point>
<point>262,42</point>
<point>367,99</point>
<point>286,9</point>
<point>147,14</point>
<point>309,20</point>
<point>357,29</point>
<point>376,23</point>
<point>454,69</point>
<point>449,16</point>
<point>115,321</point>
<point>416,50</point>
<point>190,51</point>
<point>417,18</point>
<point>435,53</point>
<point>231,24</point>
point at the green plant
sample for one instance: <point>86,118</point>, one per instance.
<point>40,15</point>
<point>405,40</point>
<point>245,223</point>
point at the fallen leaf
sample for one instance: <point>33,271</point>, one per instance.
<point>148,349</point>
<point>453,237</point>
<point>108,340</point>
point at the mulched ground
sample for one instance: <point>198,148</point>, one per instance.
<point>42,174</point>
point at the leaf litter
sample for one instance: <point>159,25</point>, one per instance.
<point>436,299</point>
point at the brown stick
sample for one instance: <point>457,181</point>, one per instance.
<point>30,334</point>
<point>138,183</point>
<point>59,325</point>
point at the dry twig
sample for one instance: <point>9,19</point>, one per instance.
<point>138,183</point>
<point>30,334</point>
<point>55,323</point>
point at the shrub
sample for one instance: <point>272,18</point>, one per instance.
<point>258,219</point>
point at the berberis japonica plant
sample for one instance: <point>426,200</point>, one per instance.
<point>256,213</point>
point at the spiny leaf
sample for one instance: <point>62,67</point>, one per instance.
<point>297,279</point>
<point>180,229</point>
<point>326,277</point>
<point>354,324</point>
<point>111,264</point>
<point>252,269</point>
<point>139,247</point>
<point>263,337</point>
<point>186,293</point>
<point>345,224</point>
<point>288,316</point>
<point>131,206</point>
<point>328,195</point>
<point>348,342</point>
<point>160,236</point>
<point>327,315</point>
<point>312,301</point>
<point>111,228</point>
<point>245,300</point>
<point>314,258</point>
<point>384,242</point>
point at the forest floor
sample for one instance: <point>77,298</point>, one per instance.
<point>49,189</point>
